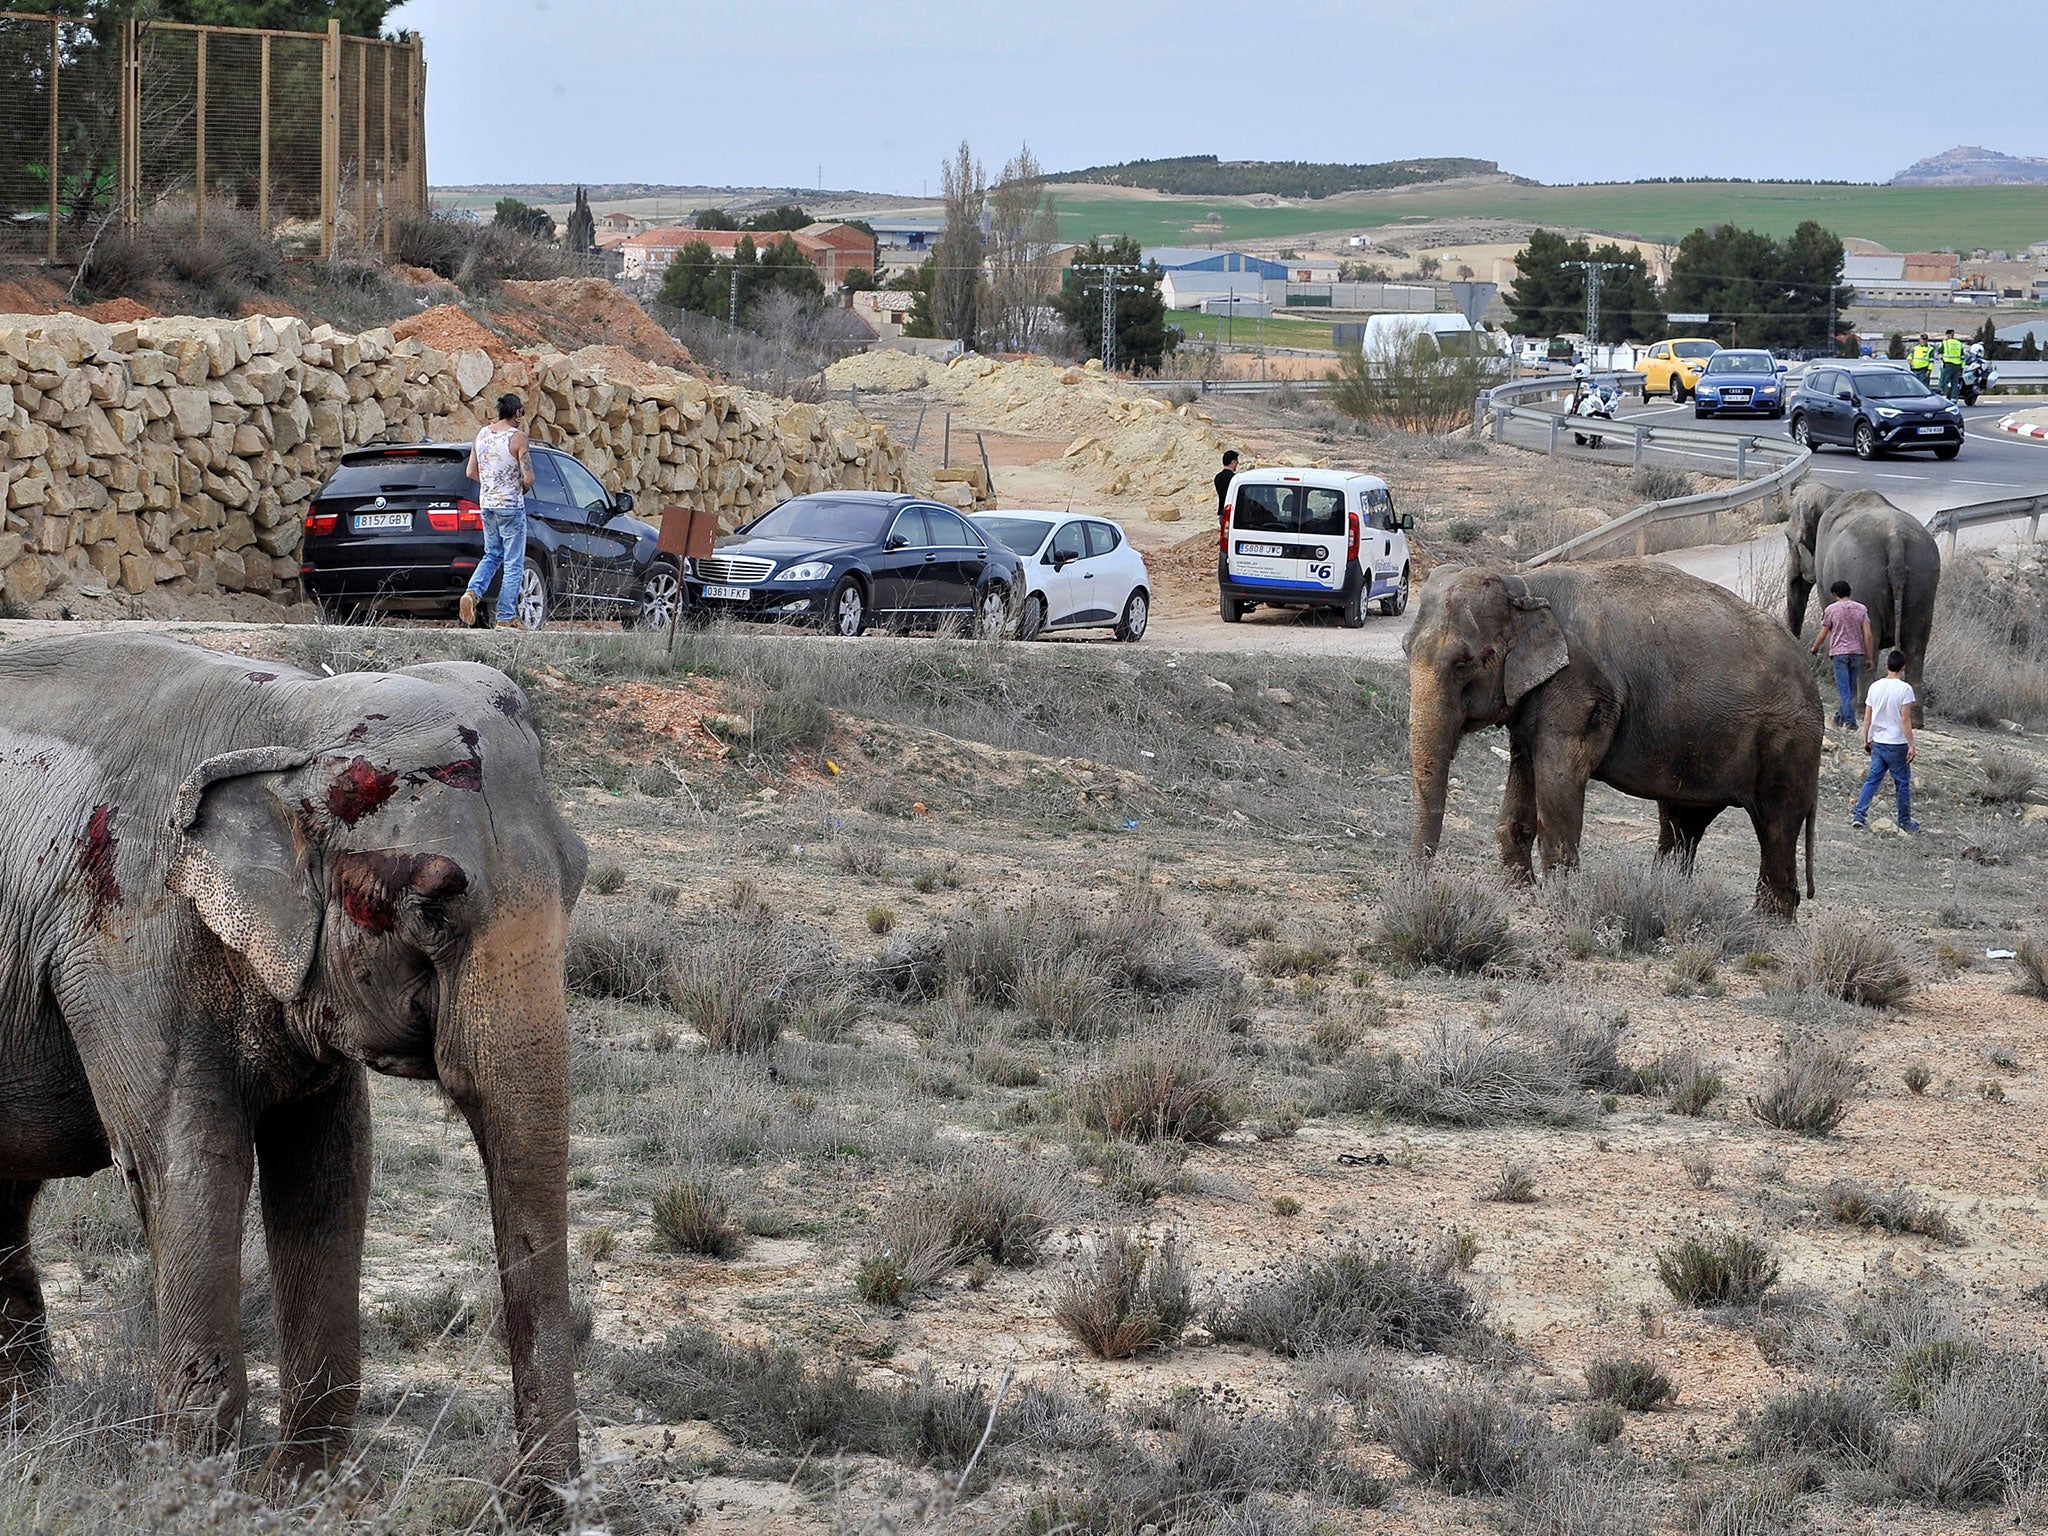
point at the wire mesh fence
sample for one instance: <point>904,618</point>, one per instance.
<point>321,138</point>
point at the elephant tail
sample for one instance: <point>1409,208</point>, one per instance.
<point>1897,573</point>
<point>1812,814</point>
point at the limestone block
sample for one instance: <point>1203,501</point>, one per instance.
<point>11,547</point>
<point>191,412</point>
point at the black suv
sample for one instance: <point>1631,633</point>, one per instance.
<point>396,529</point>
<point>841,559</point>
<point>1874,408</point>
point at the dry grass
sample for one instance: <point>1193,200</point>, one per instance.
<point>1853,962</point>
<point>1896,1209</point>
<point>1468,1440</point>
<point>1464,1077</point>
<point>2032,961</point>
<point>1631,1381</point>
<point>1450,921</point>
<point>1619,907</point>
<point>1987,659</point>
<point>1161,1085</point>
<point>1350,1298</point>
<point>2008,777</point>
<point>1131,1297</point>
<point>1812,1089</point>
<point>694,1215</point>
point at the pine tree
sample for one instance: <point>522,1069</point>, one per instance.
<point>582,236</point>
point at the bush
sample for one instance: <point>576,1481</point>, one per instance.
<point>1728,1270</point>
<point>1891,1210</point>
<point>1854,963</point>
<point>1585,1043</point>
<point>1467,1440</point>
<point>1351,1298</point>
<point>624,957</point>
<point>1465,1078</point>
<point>1633,1382</point>
<point>694,1215</point>
<point>1003,1207</point>
<point>477,256</point>
<point>417,1320</point>
<point>1411,383</point>
<point>2009,777</point>
<point>1514,1185</point>
<point>217,273</point>
<point>2033,966</point>
<point>1981,1429</point>
<point>1812,1089</point>
<point>740,982</point>
<point>1453,922</point>
<point>1840,1422</point>
<point>1132,1298</point>
<point>1690,1085</point>
<point>1631,908</point>
<point>1166,1085</point>
<point>1659,482</point>
<point>1744,1507</point>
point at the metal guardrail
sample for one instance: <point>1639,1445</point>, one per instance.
<point>1954,519</point>
<point>1505,403</point>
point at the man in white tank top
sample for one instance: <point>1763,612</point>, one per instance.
<point>503,472</point>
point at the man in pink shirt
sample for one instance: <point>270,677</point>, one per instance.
<point>1845,630</point>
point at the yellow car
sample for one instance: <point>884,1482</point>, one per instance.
<point>1673,367</point>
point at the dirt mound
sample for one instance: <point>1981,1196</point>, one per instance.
<point>451,328</point>
<point>573,312</point>
<point>621,365</point>
<point>883,373</point>
<point>415,277</point>
<point>118,311</point>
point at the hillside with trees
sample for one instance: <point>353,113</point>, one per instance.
<point>1207,176</point>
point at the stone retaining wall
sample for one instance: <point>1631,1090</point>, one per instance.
<point>180,454</point>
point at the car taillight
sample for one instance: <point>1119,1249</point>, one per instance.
<point>1354,536</point>
<point>1223,532</point>
<point>463,515</point>
<point>321,523</point>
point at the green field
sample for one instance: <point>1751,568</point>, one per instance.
<point>1281,330</point>
<point>1902,218</point>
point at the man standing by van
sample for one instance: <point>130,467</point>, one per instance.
<point>1223,479</point>
<point>1845,630</point>
<point>1888,738</point>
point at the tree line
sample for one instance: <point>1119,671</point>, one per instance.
<point>1207,176</point>
<point>1757,291</point>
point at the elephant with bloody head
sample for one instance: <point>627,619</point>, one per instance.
<point>228,889</point>
<point>1631,673</point>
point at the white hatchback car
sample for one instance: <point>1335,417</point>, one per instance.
<point>1080,572</point>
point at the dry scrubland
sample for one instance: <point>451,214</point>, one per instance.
<point>959,1023</point>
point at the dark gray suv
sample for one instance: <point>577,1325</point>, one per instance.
<point>1875,409</point>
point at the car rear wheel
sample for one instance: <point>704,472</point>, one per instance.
<point>992,614</point>
<point>1677,390</point>
<point>1866,440</point>
<point>532,608</point>
<point>1137,614</point>
<point>1032,624</point>
<point>1800,434</point>
<point>660,596</point>
<point>1352,614</point>
<point>846,614</point>
<point>1233,610</point>
<point>1396,603</point>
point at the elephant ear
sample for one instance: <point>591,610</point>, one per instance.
<point>1536,648</point>
<point>241,861</point>
<point>1805,563</point>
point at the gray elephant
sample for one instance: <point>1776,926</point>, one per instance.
<point>1632,673</point>
<point>229,888</point>
<point>1889,560</point>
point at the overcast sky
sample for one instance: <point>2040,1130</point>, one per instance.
<point>872,94</point>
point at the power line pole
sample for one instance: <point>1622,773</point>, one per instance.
<point>1593,269</point>
<point>733,313</point>
<point>1110,288</point>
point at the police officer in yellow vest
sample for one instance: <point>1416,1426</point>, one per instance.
<point>1951,366</point>
<point>1920,359</point>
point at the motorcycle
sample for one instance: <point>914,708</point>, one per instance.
<point>1978,376</point>
<point>1592,402</point>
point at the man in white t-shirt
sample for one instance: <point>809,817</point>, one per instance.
<point>1888,738</point>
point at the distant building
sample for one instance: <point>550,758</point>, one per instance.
<point>1195,258</point>
<point>885,310</point>
<point>1887,280</point>
<point>1182,289</point>
<point>833,250</point>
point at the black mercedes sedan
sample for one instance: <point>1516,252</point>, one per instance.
<point>396,529</point>
<point>842,560</point>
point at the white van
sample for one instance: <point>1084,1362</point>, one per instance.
<point>1312,538</point>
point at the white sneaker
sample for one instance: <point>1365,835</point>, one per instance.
<point>467,608</point>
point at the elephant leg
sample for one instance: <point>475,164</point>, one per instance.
<point>1517,830</point>
<point>1679,830</point>
<point>314,1156</point>
<point>24,1328</point>
<point>195,1187</point>
<point>1777,880</point>
<point>1560,773</point>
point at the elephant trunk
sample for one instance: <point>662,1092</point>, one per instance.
<point>503,1055</point>
<point>1796,590</point>
<point>1435,722</point>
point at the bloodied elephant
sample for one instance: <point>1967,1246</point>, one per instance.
<point>226,890</point>
<point>1634,674</point>
<point>1889,560</point>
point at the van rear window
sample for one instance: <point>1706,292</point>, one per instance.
<point>1310,509</point>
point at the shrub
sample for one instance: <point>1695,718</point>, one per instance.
<point>1467,1440</point>
<point>1766,1506</point>
<point>1659,482</point>
<point>1840,1422</point>
<point>1916,1077</point>
<point>1630,908</point>
<point>739,983</point>
<point>880,920</point>
<point>1812,1089</point>
<point>1980,1430</point>
<point>1727,1270</point>
<point>1465,1078</point>
<point>1350,1298</point>
<point>1453,922</point>
<point>1633,1382</point>
<point>1166,1085</point>
<point>1988,657</point>
<point>1003,1207</point>
<point>2008,777</point>
<point>914,1245</point>
<point>1585,1043</point>
<point>608,879</point>
<point>694,1215</point>
<point>1891,1210</point>
<point>2033,966</point>
<point>621,957</point>
<point>1131,1298</point>
<point>1571,1495</point>
<point>1690,1085</point>
<point>1854,963</point>
<point>417,1320</point>
<point>1514,1185</point>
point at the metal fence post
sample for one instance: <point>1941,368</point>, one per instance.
<point>130,126</point>
<point>1741,459</point>
<point>263,135</point>
<point>1637,461</point>
<point>1555,423</point>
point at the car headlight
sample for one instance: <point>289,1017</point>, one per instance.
<point>1954,407</point>
<point>1886,412</point>
<point>810,570</point>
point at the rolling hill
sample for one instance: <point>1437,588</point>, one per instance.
<point>1207,176</point>
<point>1968,166</point>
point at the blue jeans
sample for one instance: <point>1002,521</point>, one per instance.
<point>1888,757</point>
<point>1846,668</point>
<point>504,550</point>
